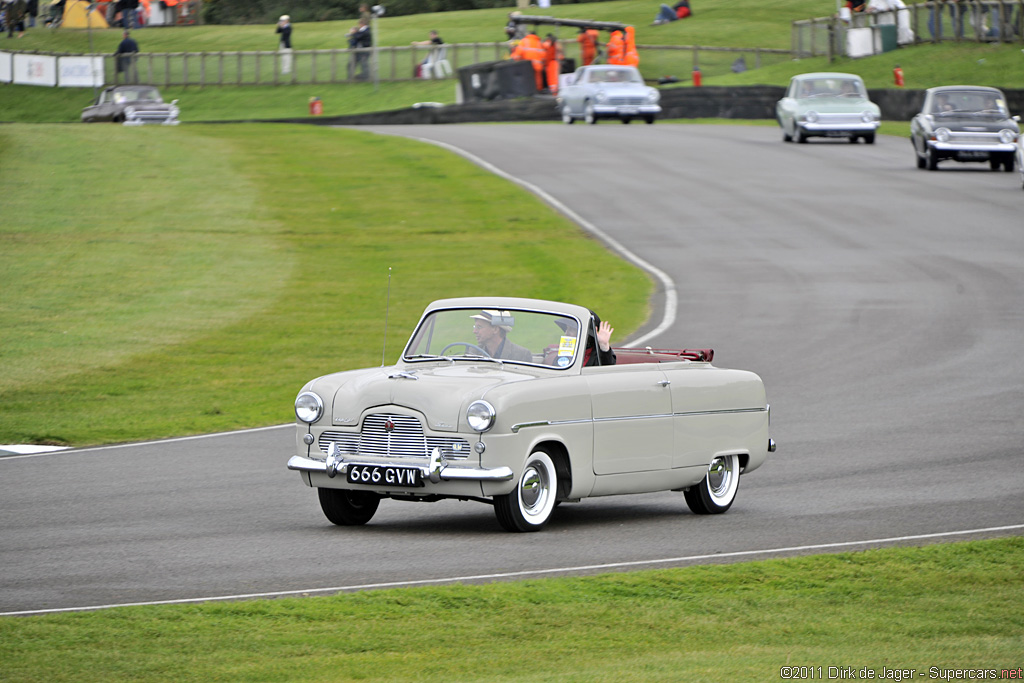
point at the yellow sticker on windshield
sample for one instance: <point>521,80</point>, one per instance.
<point>567,346</point>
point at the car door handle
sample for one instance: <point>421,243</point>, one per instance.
<point>663,383</point>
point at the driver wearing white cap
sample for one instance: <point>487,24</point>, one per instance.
<point>491,329</point>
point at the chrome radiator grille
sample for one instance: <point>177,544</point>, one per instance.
<point>636,101</point>
<point>970,138</point>
<point>405,440</point>
<point>839,119</point>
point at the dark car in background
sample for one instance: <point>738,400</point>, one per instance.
<point>965,123</point>
<point>132,105</point>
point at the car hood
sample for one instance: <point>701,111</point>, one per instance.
<point>986,124</point>
<point>837,105</point>
<point>440,392</point>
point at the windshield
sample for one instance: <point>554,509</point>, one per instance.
<point>830,87</point>
<point>969,102</point>
<point>511,336</point>
<point>614,76</point>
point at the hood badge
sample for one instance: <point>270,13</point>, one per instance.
<point>389,426</point>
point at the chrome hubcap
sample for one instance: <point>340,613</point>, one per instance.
<point>720,476</point>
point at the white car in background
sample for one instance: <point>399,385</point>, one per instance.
<point>607,91</point>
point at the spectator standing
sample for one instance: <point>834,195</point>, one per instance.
<point>15,17</point>
<point>361,40</point>
<point>616,48</point>
<point>588,40</point>
<point>125,58</point>
<point>284,29</point>
<point>529,49</point>
<point>32,11</point>
<point>553,56</point>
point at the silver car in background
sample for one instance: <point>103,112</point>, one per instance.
<point>607,91</point>
<point>827,104</point>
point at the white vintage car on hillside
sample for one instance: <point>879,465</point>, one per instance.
<point>506,401</point>
<point>606,91</point>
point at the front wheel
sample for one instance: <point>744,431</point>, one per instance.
<point>589,115</point>
<point>529,506</point>
<point>717,490</point>
<point>348,508</point>
<point>567,115</point>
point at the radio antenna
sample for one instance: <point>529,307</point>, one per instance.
<point>387,309</point>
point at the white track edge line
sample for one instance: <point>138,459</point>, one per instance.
<point>523,574</point>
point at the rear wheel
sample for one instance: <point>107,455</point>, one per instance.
<point>717,490</point>
<point>348,508</point>
<point>529,506</point>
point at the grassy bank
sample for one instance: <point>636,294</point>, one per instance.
<point>174,281</point>
<point>928,609</point>
<point>738,23</point>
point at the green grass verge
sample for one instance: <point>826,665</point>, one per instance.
<point>173,281</point>
<point>953,606</point>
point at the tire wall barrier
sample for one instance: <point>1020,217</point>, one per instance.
<point>741,102</point>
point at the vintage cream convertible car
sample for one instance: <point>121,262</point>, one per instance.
<point>504,401</point>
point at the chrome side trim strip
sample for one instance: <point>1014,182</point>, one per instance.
<point>548,423</point>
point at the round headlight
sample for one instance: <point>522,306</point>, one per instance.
<point>601,96</point>
<point>653,96</point>
<point>867,116</point>
<point>480,416</point>
<point>1006,136</point>
<point>308,407</point>
<point>942,134</point>
<point>811,116</point>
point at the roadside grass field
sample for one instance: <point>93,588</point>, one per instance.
<point>934,610</point>
<point>168,281</point>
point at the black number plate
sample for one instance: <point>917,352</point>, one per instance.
<point>384,475</point>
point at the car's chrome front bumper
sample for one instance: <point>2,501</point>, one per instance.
<point>825,127</point>
<point>973,147</point>
<point>626,109</point>
<point>436,470</point>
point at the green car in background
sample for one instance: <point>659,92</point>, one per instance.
<point>833,105</point>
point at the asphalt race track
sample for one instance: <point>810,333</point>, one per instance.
<point>881,304</point>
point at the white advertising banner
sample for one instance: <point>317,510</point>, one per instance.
<point>35,69</point>
<point>6,74</point>
<point>80,72</point>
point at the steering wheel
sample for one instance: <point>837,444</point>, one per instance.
<point>468,346</point>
